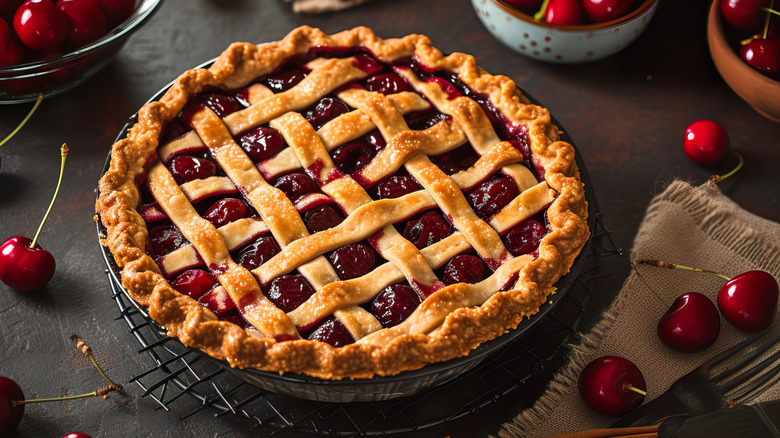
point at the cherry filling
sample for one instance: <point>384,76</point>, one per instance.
<point>263,144</point>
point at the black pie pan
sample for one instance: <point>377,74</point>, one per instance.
<point>380,387</point>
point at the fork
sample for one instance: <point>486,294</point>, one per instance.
<point>701,391</point>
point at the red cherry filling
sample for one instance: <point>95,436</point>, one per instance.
<point>218,301</point>
<point>261,143</point>
<point>464,268</point>
<point>227,210</point>
<point>394,304</point>
<point>368,64</point>
<point>427,229</point>
<point>525,237</point>
<point>397,186</point>
<point>186,168</point>
<point>258,252</point>
<point>194,282</point>
<point>289,291</point>
<point>388,83</point>
<point>296,186</point>
<point>353,260</point>
<point>164,239</point>
<point>333,332</point>
<point>321,218</point>
<point>352,157</point>
<point>10,414</point>
<point>284,81</point>
<point>221,104</point>
<point>492,195</point>
<point>326,109</point>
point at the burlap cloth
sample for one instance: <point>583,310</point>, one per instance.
<point>693,226</point>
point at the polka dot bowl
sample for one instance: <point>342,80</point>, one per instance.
<point>562,44</point>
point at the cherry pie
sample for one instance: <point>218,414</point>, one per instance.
<point>341,206</point>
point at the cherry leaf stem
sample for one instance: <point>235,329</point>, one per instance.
<point>719,178</point>
<point>629,387</point>
<point>26,118</point>
<point>98,392</point>
<point>540,13</point>
<point>64,153</point>
<point>663,264</point>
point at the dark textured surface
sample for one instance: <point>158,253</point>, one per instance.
<point>627,115</point>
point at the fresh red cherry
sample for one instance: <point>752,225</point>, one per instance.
<point>527,6</point>
<point>388,83</point>
<point>10,413</point>
<point>333,332</point>
<point>691,324</point>
<point>394,304</point>
<point>116,11</point>
<point>491,196</point>
<point>397,186</point>
<point>743,14</point>
<point>23,267</point>
<point>464,268</point>
<point>261,143</point>
<point>87,22</point>
<point>605,10</point>
<point>353,260</point>
<point>611,386</point>
<point>427,229</point>
<point>76,435</point>
<point>762,54</point>
<point>289,291</point>
<point>41,25</point>
<point>10,51</point>
<point>227,210</point>
<point>564,12</point>
<point>353,156</point>
<point>749,300</point>
<point>186,168</point>
<point>296,186</point>
<point>194,282</point>
<point>322,217</point>
<point>706,142</point>
<point>525,237</point>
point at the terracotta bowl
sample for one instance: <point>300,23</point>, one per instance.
<point>562,44</point>
<point>759,91</point>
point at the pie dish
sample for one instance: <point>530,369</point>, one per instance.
<point>341,206</point>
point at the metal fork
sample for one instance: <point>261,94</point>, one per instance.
<point>701,391</point>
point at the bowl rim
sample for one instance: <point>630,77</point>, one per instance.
<point>145,9</point>
<point>716,36</point>
<point>641,9</point>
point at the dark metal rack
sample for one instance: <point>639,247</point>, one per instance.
<point>188,382</point>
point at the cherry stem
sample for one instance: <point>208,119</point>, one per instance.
<point>540,13</point>
<point>98,392</point>
<point>719,178</point>
<point>663,264</point>
<point>26,118</point>
<point>64,153</point>
<point>629,387</point>
<point>769,11</point>
<point>87,350</point>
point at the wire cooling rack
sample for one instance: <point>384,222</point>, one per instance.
<point>187,382</point>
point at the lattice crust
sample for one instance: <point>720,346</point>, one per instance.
<point>451,320</point>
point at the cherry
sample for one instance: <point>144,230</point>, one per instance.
<point>388,83</point>
<point>218,301</point>
<point>333,332</point>
<point>10,51</point>
<point>8,7</point>
<point>164,239</point>
<point>186,168</point>
<point>527,6</point>
<point>87,22</point>
<point>261,143</point>
<point>742,14</point>
<point>24,265</point>
<point>491,196</point>
<point>525,237</point>
<point>227,210</point>
<point>10,412</point>
<point>464,268</point>
<point>605,10</point>
<point>353,260</point>
<point>427,229</point>
<point>284,81</point>
<point>221,104</point>
<point>353,156</point>
<point>322,217</point>
<point>397,186</point>
<point>76,435</point>
<point>394,304</point>
<point>194,282</point>
<point>563,12</point>
<point>691,324</point>
<point>326,109</point>
<point>706,142</point>
<point>749,300</point>
<point>289,291</point>
<point>296,186</point>
<point>41,25</point>
<point>762,54</point>
<point>258,252</point>
<point>611,386</point>
<point>116,11</point>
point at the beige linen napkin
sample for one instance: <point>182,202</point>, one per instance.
<point>693,226</point>
<point>317,6</point>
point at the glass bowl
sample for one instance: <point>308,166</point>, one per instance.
<point>24,82</point>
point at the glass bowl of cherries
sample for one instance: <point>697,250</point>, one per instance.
<point>566,31</point>
<point>744,41</point>
<point>48,48</point>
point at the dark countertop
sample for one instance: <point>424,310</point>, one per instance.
<point>626,114</point>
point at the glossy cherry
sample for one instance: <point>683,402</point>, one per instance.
<point>333,332</point>
<point>749,300</point>
<point>491,196</point>
<point>527,6</point>
<point>605,10</point>
<point>525,237</point>
<point>164,239</point>
<point>87,22</point>
<point>218,301</point>
<point>10,414</point>
<point>25,268</point>
<point>194,282</point>
<point>611,386</point>
<point>353,156</point>
<point>394,304</point>
<point>564,12</point>
<point>762,54</point>
<point>186,168</point>
<point>258,252</point>
<point>322,217</point>
<point>227,210</point>
<point>353,260</point>
<point>397,186</point>
<point>427,229</point>
<point>743,14</point>
<point>41,25</point>
<point>296,186</point>
<point>464,268</point>
<point>691,324</point>
<point>326,109</point>
<point>10,51</point>
<point>388,83</point>
<point>289,291</point>
<point>706,142</point>
<point>284,81</point>
<point>116,11</point>
<point>261,143</point>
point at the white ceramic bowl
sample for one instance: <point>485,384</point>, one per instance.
<point>562,44</point>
